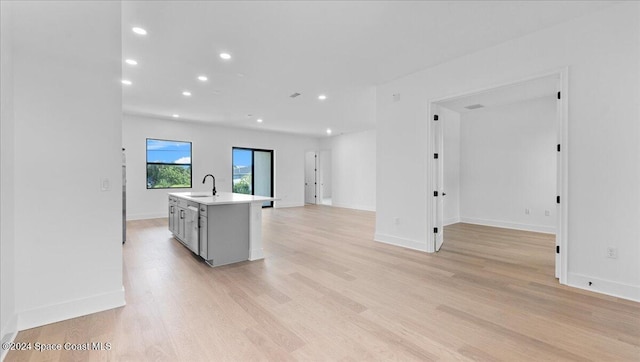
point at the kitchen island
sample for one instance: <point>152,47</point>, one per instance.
<point>222,229</point>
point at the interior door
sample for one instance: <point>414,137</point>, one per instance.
<point>310,180</point>
<point>438,178</point>
<point>559,168</point>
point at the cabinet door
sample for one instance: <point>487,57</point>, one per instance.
<point>203,237</point>
<point>182,214</point>
<point>171,218</point>
<point>176,218</point>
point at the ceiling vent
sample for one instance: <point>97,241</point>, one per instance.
<point>296,94</point>
<point>474,106</point>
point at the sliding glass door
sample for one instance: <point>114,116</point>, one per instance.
<point>253,172</point>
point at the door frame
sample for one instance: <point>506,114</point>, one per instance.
<point>562,174</point>
<point>253,150</point>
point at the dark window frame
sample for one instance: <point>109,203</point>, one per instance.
<point>146,144</point>
<point>253,169</point>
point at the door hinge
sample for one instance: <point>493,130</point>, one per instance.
<point>558,147</point>
<point>557,249</point>
<point>435,193</point>
<point>435,155</point>
<point>557,199</point>
<point>435,117</point>
<point>435,230</point>
<point>558,95</point>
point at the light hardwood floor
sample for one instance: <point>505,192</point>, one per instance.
<point>327,291</point>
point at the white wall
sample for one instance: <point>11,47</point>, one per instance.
<point>211,153</point>
<point>508,164</point>
<point>8,316</point>
<point>353,169</point>
<point>602,51</point>
<point>67,103</point>
<point>451,158</point>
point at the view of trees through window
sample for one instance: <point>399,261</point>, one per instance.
<point>168,164</point>
<point>242,161</point>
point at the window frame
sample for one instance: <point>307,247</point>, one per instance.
<point>190,164</point>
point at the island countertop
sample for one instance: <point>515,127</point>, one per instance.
<point>221,198</point>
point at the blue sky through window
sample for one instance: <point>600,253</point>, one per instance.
<point>161,151</point>
<point>241,157</point>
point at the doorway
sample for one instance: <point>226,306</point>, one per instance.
<point>325,178</point>
<point>551,85</point>
<point>252,172</point>
<point>311,177</point>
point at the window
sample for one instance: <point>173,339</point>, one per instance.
<point>253,172</point>
<point>168,164</point>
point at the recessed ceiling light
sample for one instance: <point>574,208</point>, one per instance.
<point>225,56</point>
<point>186,93</point>
<point>328,130</point>
<point>203,78</point>
<point>131,62</point>
<point>322,97</point>
<point>240,74</point>
<point>259,120</point>
<point>176,116</point>
<point>139,31</point>
<point>126,82</point>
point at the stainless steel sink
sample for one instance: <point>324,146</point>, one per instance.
<point>200,195</point>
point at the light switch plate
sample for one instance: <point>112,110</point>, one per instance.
<point>105,184</point>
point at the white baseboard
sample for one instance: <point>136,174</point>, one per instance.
<point>453,220</point>
<point>282,205</point>
<point>608,287</point>
<point>405,243</point>
<point>71,309</point>
<point>256,254</point>
<point>353,207</point>
<point>9,333</point>
<point>509,225</point>
<point>146,216</point>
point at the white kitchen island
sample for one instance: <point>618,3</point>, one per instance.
<point>222,229</point>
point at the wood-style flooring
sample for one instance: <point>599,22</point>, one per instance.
<point>327,291</point>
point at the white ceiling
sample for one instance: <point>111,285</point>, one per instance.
<point>341,49</point>
<point>532,89</point>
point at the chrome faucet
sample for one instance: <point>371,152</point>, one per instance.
<point>214,182</point>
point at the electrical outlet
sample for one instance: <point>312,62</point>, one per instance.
<point>547,213</point>
<point>396,220</point>
<point>612,252</point>
<point>527,211</point>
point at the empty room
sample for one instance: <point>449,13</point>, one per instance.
<point>320,180</point>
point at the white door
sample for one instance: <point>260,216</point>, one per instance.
<point>559,168</point>
<point>310,179</point>
<point>438,177</point>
